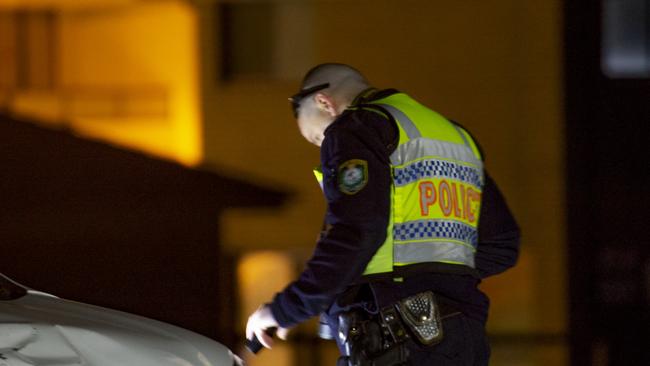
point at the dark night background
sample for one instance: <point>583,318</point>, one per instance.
<point>607,172</point>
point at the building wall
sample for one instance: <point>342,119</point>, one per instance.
<point>149,44</point>
<point>125,72</point>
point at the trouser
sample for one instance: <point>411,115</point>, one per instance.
<point>464,344</point>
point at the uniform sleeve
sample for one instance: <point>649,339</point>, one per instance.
<point>498,233</point>
<point>357,188</point>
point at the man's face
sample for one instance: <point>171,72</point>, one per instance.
<point>313,111</point>
<point>312,123</point>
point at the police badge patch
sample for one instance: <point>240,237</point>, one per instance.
<point>353,176</point>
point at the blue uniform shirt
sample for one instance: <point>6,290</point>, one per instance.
<point>356,224</point>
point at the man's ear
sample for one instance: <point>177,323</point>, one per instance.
<point>325,103</point>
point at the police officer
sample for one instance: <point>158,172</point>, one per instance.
<point>413,224</point>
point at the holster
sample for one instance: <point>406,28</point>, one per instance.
<point>420,313</point>
<point>367,342</point>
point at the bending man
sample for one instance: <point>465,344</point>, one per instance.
<point>413,224</point>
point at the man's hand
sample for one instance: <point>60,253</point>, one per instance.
<point>261,320</point>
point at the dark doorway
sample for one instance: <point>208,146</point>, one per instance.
<point>607,110</point>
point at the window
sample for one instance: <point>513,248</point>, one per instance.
<point>264,39</point>
<point>27,49</point>
<point>626,38</point>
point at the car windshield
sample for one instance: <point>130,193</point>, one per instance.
<point>9,290</point>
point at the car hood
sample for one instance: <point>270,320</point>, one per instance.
<point>41,329</point>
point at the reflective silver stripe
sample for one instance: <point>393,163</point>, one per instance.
<point>462,135</point>
<point>409,127</point>
<point>422,252</point>
<point>424,147</point>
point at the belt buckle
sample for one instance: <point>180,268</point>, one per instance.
<point>421,314</point>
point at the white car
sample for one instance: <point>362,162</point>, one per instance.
<point>40,329</point>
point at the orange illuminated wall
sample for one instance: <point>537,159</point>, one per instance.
<point>260,275</point>
<point>125,72</point>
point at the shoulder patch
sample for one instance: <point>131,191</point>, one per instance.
<point>352,176</point>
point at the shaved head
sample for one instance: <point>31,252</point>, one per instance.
<point>336,86</point>
<point>345,81</point>
<point>332,73</point>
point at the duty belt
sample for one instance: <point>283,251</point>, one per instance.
<point>380,340</point>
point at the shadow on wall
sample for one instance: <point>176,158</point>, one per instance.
<point>93,223</point>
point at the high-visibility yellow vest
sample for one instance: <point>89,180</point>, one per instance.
<point>437,174</point>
